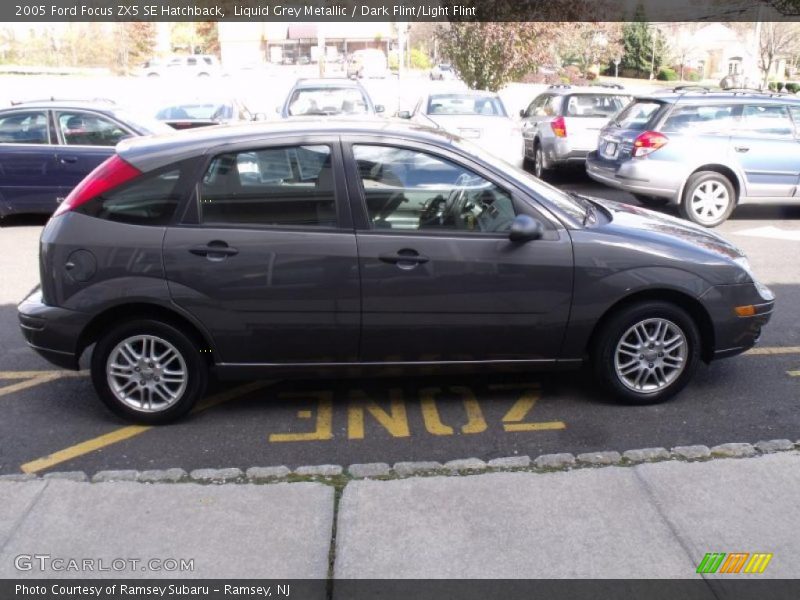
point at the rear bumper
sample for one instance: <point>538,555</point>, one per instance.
<point>51,331</point>
<point>638,176</point>
<point>734,334</point>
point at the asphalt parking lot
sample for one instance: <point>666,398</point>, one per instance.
<point>51,420</point>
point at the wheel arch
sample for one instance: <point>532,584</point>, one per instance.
<point>142,310</point>
<point>691,305</point>
<point>727,171</point>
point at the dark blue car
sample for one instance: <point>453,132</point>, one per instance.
<point>48,147</point>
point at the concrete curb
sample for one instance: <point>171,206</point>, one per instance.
<point>455,468</point>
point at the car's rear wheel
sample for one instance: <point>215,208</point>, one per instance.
<point>539,168</point>
<point>709,198</point>
<point>647,352</point>
<point>148,371</point>
<point>650,201</point>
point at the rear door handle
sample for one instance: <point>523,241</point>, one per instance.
<point>404,259</point>
<point>741,148</point>
<point>216,250</point>
<point>67,160</point>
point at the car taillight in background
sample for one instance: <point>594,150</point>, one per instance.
<point>559,127</point>
<point>110,174</point>
<point>648,142</point>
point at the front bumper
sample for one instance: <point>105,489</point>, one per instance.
<point>51,331</point>
<point>734,334</point>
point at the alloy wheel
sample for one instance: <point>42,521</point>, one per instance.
<point>650,355</point>
<point>709,201</point>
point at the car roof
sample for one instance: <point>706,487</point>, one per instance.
<point>152,152</point>
<point>713,97</point>
<point>100,104</point>
<point>595,90</point>
<point>327,82</point>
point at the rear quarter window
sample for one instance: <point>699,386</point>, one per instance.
<point>150,199</point>
<point>711,118</point>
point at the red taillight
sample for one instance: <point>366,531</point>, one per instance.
<point>559,127</point>
<point>648,142</point>
<point>108,175</point>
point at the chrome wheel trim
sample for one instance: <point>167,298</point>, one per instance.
<point>650,355</point>
<point>146,373</point>
<point>709,201</point>
<point>538,167</point>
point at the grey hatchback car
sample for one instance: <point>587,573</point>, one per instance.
<point>705,152</point>
<point>302,248</point>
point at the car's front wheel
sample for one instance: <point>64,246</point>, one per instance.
<point>148,371</point>
<point>647,352</point>
<point>709,198</point>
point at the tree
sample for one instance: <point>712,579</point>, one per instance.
<point>208,37</point>
<point>638,39</point>
<point>489,55</point>
<point>135,43</point>
<point>777,40</point>
<point>587,44</point>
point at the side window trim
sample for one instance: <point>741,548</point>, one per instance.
<point>523,201</point>
<point>191,216</point>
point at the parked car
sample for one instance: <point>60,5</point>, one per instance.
<point>328,97</point>
<point>561,125</point>
<point>202,113</point>
<point>270,250</point>
<point>191,65</point>
<point>442,72</point>
<point>475,115</point>
<point>48,147</point>
<point>368,63</point>
<point>706,152</point>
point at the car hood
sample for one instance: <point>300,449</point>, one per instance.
<point>645,223</point>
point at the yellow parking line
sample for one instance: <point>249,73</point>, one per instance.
<point>125,433</point>
<point>774,350</point>
<point>33,378</point>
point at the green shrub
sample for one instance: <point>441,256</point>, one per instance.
<point>666,74</point>
<point>772,86</point>
<point>419,59</point>
<point>793,88</point>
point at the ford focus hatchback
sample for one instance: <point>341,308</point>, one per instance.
<point>309,246</point>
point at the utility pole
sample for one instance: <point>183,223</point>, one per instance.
<point>653,59</point>
<point>757,50</point>
<point>321,48</point>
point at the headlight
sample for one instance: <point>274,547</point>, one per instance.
<point>745,264</point>
<point>762,290</point>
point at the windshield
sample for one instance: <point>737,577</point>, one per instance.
<point>465,104</point>
<point>638,114</point>
<point>567,204</point>
<point>144,123</point>
<point>208,111</point>
<point>595,105</point>
<point>328,101</point>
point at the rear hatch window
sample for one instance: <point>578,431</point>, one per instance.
<point>639,115</point>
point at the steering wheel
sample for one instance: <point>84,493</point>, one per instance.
<point>456,199</point>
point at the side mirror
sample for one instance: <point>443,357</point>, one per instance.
<point>525,229</point>
<point>379,108</point>
<point>404,114</point>
<point>278,109</point>
<point>522,112</point>
<point>260,116</point>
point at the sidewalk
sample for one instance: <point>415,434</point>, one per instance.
<point>651,520</point>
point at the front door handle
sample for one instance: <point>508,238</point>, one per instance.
<point>405,259</point>
<point>68,160</point>
<point>214,251</point>
<point>741,148</point>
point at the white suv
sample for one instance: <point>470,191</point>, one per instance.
<point>197,65</point>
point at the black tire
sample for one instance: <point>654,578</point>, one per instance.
<point>194,366</point>
<point>650,201</point>
<point>695,183</point>
<point>539,169</point>
<point>616,328</point>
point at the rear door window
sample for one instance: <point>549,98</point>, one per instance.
<point>24,127</point>
<point>288,186</point>
<point>700,119</point>
<point>638,115</point>
<point>770,120</point>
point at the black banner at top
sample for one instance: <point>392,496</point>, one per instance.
<point>398,10</point>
